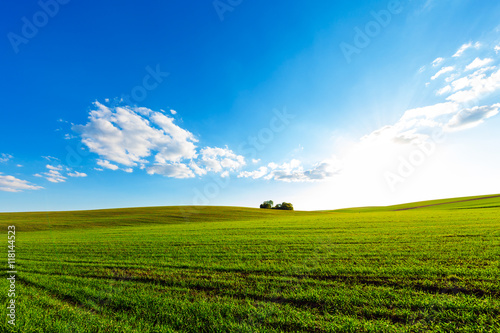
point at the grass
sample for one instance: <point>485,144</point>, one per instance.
<point>230,269</point>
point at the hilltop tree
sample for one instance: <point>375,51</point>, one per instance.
<point>267,204</point>
<point>286,206</point>
<point>283,206</point>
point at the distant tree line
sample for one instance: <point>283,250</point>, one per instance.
<point>269,205</point>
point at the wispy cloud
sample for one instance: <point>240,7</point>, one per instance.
<point>107,165</point>
<point>293,171</point>
<point>53,174</point>
<point>419,125</point>
<point>475,86</point>
<point>256,174</point>
<point>463,86</point>
<point>77,174</point>
<point>472,117</point>
<point>477,63</point>
<point>50,158</point>
<point>416,125</point>
<point>443,71</point>
<point>175,170</point>
<point>465,47</point>
<point>437,62</point>
<point>55,168</point>
<point>462,49</point>
<point>59,173</point>
<point>13,184</point>
<point>444,90</point>
<point>5,157</point>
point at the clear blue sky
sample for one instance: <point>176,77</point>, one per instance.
<point>324,104</point>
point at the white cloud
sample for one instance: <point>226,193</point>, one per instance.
<point>177,143</point>
<point>129,135</point>
<point>220,159</point>
<point>478,84</point>
<point>444,90</point>
<point>477,63</point>
<point>52,167</point>
<point>465,47</point>
<point>255,161</point>
<point>472,117</point>
<point>59,173</point>
<point>462,49</point>
<point>293,171</point>
<point>256,174</point>
<point>272,165</point>
<point>497,49</point>
<point>451,77</point>
<point>323,170</point>
<point>54,174</point>
<point>50,158</point>
<point>77,174</point>
<point>175,170</point>
<point>460,83</point>
<point>415,126</point>
<point>107,165</point>
<point>442,71</point>
<point>196,169</point>
<point>437,61</point>
<point>172,111</point>
<point>13,184</point>
<point>128,170</point>
<point>5,158</point>
<point>429,112</point>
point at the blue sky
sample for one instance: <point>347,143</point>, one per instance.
<point>326,104</point>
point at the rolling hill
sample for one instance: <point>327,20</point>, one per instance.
<point>427,266</point>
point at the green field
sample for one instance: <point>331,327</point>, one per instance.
<point>230,269</point>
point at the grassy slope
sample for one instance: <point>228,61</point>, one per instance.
<point>166,269</point>
<point>133,217</point>
<point>483,201</point>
